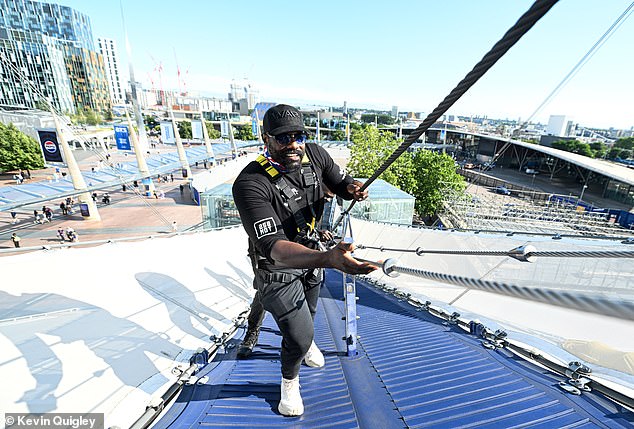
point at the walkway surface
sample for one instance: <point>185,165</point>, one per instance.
<point>128,214</point>
<point>412,371</point>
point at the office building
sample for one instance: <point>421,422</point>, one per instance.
<point>556,126</point>
<point>47,54</point>
<point>108,49</point>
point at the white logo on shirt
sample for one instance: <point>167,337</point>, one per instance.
<point>264,227</point>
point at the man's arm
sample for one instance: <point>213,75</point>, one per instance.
<point>290,254</point>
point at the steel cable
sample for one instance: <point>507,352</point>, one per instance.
<point>528,253</point>
<point>521,27</point>
<point>591,303</point>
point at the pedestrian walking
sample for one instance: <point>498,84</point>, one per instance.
<point>60,233</point>
<point>48,214</point>
<point>174,226</point>
<point>36,216</point>
<point>70,233</point>
<point>15,239</point>
<point>182,188</point>
<point>14,217</point>
<point>123,187</point>
<point>171,177</point>
<point>63,208</point>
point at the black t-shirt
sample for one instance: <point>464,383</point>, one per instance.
<point>264,214</point>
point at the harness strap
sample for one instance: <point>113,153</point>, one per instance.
<point>309,180</point>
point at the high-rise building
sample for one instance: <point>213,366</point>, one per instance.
<point>557,126</point>
<point>108,49</point>
<point>47,53</point>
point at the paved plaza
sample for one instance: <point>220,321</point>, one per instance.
<point>129,214</point>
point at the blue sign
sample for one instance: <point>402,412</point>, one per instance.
<point>122,137</point>
<point>50,146</point>
<point>254,127</point>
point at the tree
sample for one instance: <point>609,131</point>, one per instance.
<point>379,118</point>
<point>211,131</point>
<point>614,152</point>
<point>428,176</point>
<point>574,146</point>
<point>338,135</point>
<point>18,151</point>
<point>598,149</point>
<point>436,177</point>
<point>370,148</point>
<point>184,129</point>
<point>244,133</point>
<point>92,117</point>
<point>625,143</point>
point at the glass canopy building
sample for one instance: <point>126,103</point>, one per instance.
<point>47,52</point>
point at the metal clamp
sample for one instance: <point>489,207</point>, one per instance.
<point>577,381</point>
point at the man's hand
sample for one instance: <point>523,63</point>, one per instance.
<point>353,189</point>
<point>324,235</point>
<point>340,258</point>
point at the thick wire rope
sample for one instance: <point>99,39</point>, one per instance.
<point>519,29</point>
<point>59,115</point>
<point>530,253</point>
<point>591,303</point>
<point>582,62</point>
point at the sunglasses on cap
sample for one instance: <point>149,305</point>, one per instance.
<point>286,138</point>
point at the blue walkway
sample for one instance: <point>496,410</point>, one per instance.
<point>413,371</point>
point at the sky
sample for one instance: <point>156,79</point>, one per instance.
<point>372,54</point>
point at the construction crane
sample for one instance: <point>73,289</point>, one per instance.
<point>182,84</point>
<point>158,68</point>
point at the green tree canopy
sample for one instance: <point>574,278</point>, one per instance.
<point>211,131</point>
<point>338,135</point>
<point>18,151</point>
<point>423,174</point>
<point>625,143</point>
<point>380,118</point>
<point>184,129</point>
<point>436,176</point>
<point>244,133</point>
<point>574,146</point>
<point>598,149</point>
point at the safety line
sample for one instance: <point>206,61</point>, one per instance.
<point>590,303</point>
<point>519,29</point>
<point>525,251</point>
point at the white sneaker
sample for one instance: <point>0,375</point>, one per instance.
<point>314,358</point>
<point>291,401</point>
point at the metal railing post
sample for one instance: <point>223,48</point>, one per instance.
<point>349,297</point>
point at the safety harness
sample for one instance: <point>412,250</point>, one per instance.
<point>309,178</point>
<point>304,219</point>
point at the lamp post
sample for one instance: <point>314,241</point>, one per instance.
<point>582,191</point>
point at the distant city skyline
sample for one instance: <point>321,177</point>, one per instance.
<point>410,54</point>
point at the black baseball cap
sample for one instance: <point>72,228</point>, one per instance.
<point>282,119</point>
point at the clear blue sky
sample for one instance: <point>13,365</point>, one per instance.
<point>379,54</point>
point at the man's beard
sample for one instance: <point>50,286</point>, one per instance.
<point>288,164</point>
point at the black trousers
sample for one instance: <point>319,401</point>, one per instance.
<point>291,298</point>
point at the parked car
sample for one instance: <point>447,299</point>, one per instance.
<point>502,190</point>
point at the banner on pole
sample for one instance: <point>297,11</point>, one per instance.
<point>167,132</point>
<point>50,146</point>
<point>254,127</point>
<point>224,128</point>
<point>122,137</point>
<point>197,130</point>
